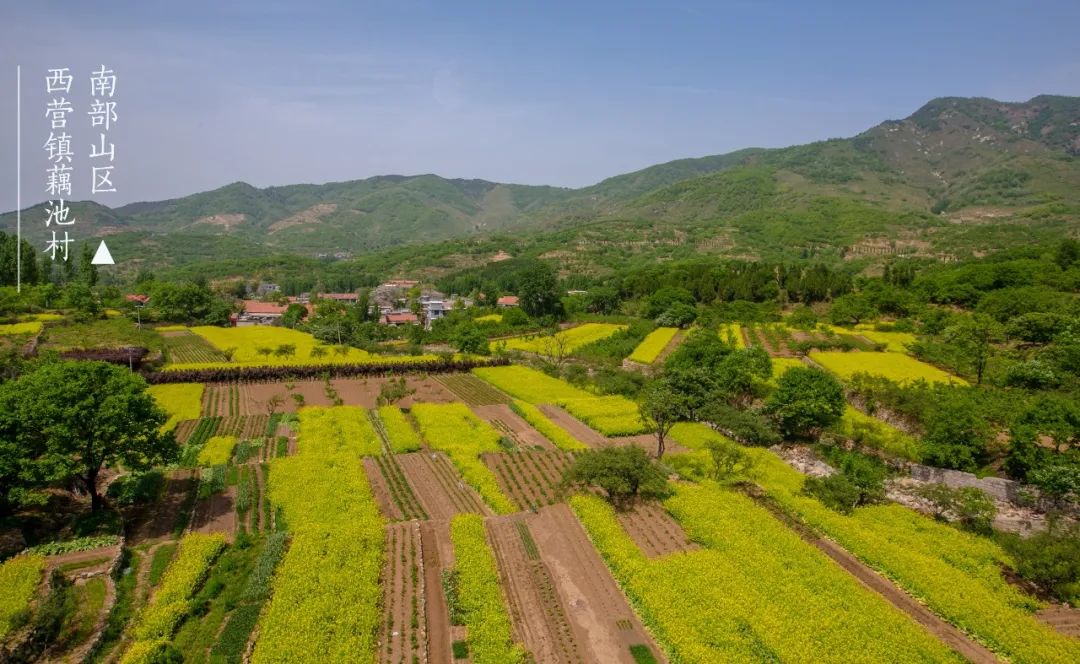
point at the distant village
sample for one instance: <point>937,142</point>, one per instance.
<point>390,301</point>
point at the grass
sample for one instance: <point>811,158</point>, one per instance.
<point>19,576</point>
<point>89,600</point>
<point>82,564</point>
<point>896,367</point>
<point>571,339</point>
<point>106,333</point>
<point>652,345</point>
<point>160,562</point>
<point>122,610</point>
<point>182,401</point>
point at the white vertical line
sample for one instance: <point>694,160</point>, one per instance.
<point>18,178</point>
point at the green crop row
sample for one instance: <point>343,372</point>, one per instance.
<point>612,415</point>
<point>479,596</point>
<point>529,384</point>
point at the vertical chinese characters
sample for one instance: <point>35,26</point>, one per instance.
<point>102,117</point>
<point>58,149</point>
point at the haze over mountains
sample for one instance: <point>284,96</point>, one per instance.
<point>958,176</point>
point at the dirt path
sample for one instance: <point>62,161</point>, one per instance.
<point>538,616</point>
<point>507,421</point>
<point>404,628</point>
<point>944,631</point>
<point>108,552</point>
<point>434,541</point>
<point>654,531</point>
<point>647,442</point>
<point>600,616</point>
<point>441,491</point>
<point>574,426</point>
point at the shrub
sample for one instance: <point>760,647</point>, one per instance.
<point>806,400</point>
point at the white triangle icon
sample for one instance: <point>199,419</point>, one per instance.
<point>102,256</point>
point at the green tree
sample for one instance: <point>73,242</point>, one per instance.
<point>624,473</point>
<point>661,406</point>
<point>955,432</point>
<point>975,336</point>
<point>805,400</point>
<point>88,272</point>
<point>539,294</point>
<point>468,338</point>
<point>850,309</point>
<point>74,418</point>
<point>728,458</point>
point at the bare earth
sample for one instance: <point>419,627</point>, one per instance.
<point>602,621</point>
<point>438,487</point>
<point>538,616</point>
<point>404,628</point>
<point>216,514</point>
<point>437,556</point>
<point>574,426</point>
<point>362,392</point>
<point>654,531</point>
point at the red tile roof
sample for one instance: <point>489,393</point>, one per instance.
<point>340,296</point>
<point>400,318</point>
<point>134,297</point>
<point>508,301</point>
<point>256,308</point>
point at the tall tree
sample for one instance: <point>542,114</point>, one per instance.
<point>539,292</point>
<point>661,407</point>
<point>806,400</point>
<point>74,418</point>
<point>975,336</point>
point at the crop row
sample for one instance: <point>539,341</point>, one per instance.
<point>400,433</point>
<point>19,576</point>
<point>553,432</point>
<point>532,478</point>
<point>732,334</point>
<point>455,430</point>
<point>472,390</point>
<point>171,601</point>
<point>400,491</point>
<point>479,596</point>
<point>326,592</point>
<point>956,574</point>
<point>653,344</point>
<point>755,593</point>
<point>183,348</point>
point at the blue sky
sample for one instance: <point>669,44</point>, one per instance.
<point>561,93</point>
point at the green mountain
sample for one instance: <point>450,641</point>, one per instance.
<point>957,177</point>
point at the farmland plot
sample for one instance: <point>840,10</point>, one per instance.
<point>653,344</point>
<point>530,477</point>
<point>897,367</point>
<point>512,426</point>
<point>182,346</point>
<point>403,634</point>
<point>654,531</point>
<point>540,621</point>
<point>472,390</point>
<point>604,625</point>
<point>755,592</point>
<point>565,341</point>
<point>392,491</point>
<point>438,487</point>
